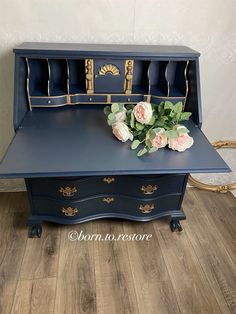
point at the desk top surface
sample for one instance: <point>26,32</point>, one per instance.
<point>105,49</point>
<point>76,141</point>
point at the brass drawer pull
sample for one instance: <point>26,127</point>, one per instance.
<point>108,180</point>
<point>148,189</point>
<point>69,211</point>
<point>147,208</point>
<point>68,191</point>
<point>108,200</point>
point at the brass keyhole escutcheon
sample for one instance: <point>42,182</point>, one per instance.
<point>108,180</point>
<point>108,200</point>
<point>147,208</point>
<point>69,211</point>
<point>148,189</point>
<point>68,191</point>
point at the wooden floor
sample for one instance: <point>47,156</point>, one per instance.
<point>189,272</point>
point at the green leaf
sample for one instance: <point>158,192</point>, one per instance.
<point>152,134</point>
<point>111,116</point>
<point>110,122</point>
<point>107,110</point>
<point>152,150</point>
<point>121,107</point>
<point>132,120</point>
<point>161,107</point>
<point>185,116</point>
<point>178,107</point>
<point>182,130</point>
<point>172,134</point>
<point>152,121</point>
<point>115,107</point>
<point>130,107</point>
<point>168,105</point>
<point>148,143</point>
<point>142,151</point>
<point>135,144</point>
<point>139,126</point>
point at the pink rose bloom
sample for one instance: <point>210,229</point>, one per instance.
<point>121,116</point>
<point>160,140</point>
<point>121,131</point>
<point>180,143</point>
<point>143,112</point>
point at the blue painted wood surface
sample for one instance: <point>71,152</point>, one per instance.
<point>76,141</point>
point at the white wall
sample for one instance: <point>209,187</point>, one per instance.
<point>207,26</point>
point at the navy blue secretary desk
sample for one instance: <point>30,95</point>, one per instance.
<point>74,169</point>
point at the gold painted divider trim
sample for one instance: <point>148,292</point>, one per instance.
<point>27,83</point>
<point>186,82</point>
<point>49,77</point>
<point>89,71</point>
<point>68,77</point>
<point>168,83</point>
<point>129,68</point>
<point>215,187</point>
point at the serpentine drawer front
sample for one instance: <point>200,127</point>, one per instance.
<point>140,186</point>
<point>106,206</point>
<point>74,168</point>
<point>48,101</point>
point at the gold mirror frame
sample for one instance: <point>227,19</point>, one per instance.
<point>211,187</point>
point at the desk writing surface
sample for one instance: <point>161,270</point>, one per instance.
<point>76,141</point>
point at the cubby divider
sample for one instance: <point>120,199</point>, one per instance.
<point>176,78</point>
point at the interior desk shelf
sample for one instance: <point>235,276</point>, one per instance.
<point>60,82</point>
<point>74,169</point>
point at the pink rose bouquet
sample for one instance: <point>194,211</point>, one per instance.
<point>152,126</point>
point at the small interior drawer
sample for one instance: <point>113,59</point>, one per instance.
<point>127,98</point>
<point>158,99</point>
<point>88,98</point>
<point>48,101</point>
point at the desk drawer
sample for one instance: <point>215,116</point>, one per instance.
<point>127,98</point>
<point>76,188</point>
<point>48,101</point>
<point>88,99</point>
<point>106,206</point>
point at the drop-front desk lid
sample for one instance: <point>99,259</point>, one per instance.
<point>76,141</point>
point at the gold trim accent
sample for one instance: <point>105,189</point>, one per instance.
<point>94,94</point>
<point>168,83</point>
<point>147,208</point>
<point>129,65</point>
<point>49,76</point>
<point>211,187</point>
<point>68,101</point>
<point>68,191</point>
<point>108,180</point>
<point>109,68</point>
<point>69,211</point>
<point>89,70</point>
<point>68,77</point>
<point>108,98</point>
<point>148,98</point>
<point>27,83</point>
<point>148,189</point>
<point>186,81</point>
<point>168,97</point>
<point>108,200</point>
